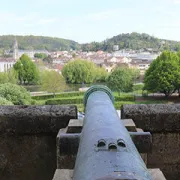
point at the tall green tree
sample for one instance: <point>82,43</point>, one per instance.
<point>163,74</point>
<point>52,82</point>
<point>79,71</point>
<point>101,74</point>
<point>121,79</point>
<point>27,70</point>
<point>8,77</point>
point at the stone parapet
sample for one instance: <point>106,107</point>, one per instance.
<point>28,140</point>
<point>154,117</point>
<point>163,121</point>
<point>35,119</point>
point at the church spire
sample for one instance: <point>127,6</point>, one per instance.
<point>15,49</point>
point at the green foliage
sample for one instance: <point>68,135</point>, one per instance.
<point>125,41</point>
<point>38,42</point>
<point>138,87</point>
<point>61,95</point>
<point>3,77</point>
<point>15,94</point>
<point>163,74</point>
<point>121,80</point>
<point>101,74</point>
<point>27,70</point>
<point>133,41</point>
<point>52,82</point>
<point>10,76</point>
<point>127,97</point>
<point>48,59</point>
<point>118,105</point>
<point>135,73</point>
<point>79,71</point>
<point>40,55</point>
<point>79,99</point>
<point>72,100</point>
<point>4,101</point>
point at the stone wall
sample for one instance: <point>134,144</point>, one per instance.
<point>28,140</point>
<point>163,121</point>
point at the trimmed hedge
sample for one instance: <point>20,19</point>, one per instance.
<point>61,95</point>
<point>77,100</point>
<point>118,105</point>
<point>124,98</point>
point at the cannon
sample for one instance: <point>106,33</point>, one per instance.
<point>106,150</point>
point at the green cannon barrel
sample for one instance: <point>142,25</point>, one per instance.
<point>106,150</point>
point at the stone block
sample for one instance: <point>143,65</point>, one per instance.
<point>129,124</point>
<point>75,125</point>
<point>63,174</point>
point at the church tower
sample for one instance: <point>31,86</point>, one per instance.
<point>15,49</point>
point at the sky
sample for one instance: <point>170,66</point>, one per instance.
<point>90,20</point>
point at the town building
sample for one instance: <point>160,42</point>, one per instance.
<point>6,64</point>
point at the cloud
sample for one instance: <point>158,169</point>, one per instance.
<point>105,15</point>
<point>29,20</point>
<point>176,1</point>
<point>46,21</point>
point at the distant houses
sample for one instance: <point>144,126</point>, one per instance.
<point>140,59</point>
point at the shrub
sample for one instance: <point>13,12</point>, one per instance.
<point>4,101</point>
<point>15,94</point>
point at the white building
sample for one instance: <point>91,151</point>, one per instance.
<point>31,53</point>
<point>6,64</point>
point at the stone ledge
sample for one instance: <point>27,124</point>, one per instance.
<point>154,117</point>
<point>35,119</point>
<point>75,125</point>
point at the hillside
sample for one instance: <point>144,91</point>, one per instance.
<point>37,42</point>
<point>133,41</point>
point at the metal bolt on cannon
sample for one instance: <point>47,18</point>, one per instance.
<point>106,150</point>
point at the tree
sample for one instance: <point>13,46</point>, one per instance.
<point>101,74</point>
<point>121,80</point>
<point>26,70</point>
<point>10,76</point>
<point>40,55</point>
<point>135,74</point>
<point>79,71</point>
<point>163,74</point>
<point>48,59</point>
<point>15,94</point>
<point>52,82</point>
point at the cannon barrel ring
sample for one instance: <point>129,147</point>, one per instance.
<point>98,88</point>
